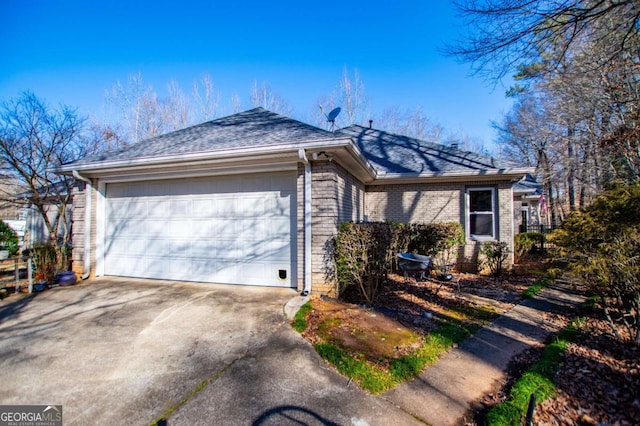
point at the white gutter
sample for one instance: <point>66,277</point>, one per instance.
<point>87,225</point>
<point>275,151</point>
<point>459,173</point>
<point>307,222</point>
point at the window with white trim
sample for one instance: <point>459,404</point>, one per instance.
<point>481,213</point>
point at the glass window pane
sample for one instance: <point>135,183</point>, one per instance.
<point>481,201</point>
<point>481,224</point>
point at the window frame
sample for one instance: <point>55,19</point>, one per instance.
<point>493,213</point>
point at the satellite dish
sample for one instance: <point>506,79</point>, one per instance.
<point>331,117</point>
<point>333,114</point>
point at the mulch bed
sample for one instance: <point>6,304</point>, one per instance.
<point>415,303</point>
<point>598,381</point>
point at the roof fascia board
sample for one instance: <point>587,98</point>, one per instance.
<point>197,172</point>
<point>273,154</point>
<point>477,176</point>
<point>263,152</point>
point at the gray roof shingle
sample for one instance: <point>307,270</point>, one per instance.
<point>397,154</point>
<point>387,153</point>
<point>255,127</point>
<point>528,185</point>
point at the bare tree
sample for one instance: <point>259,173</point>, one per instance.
<point>527,135</point>
<point>503,36</point>
<point>263,96</point>
<point>34,138</point>
<point>206,98</point>
<point>176,108</point>
<point>137,109</point>
<point>352,97</point>
<point>575,64</point>
<point>236,103</point>
<point>349,94</point>
<point>411,122</point>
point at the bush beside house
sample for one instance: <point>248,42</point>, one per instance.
<point>365,253</point>
<point>8,239</point>
<point>602,246</point>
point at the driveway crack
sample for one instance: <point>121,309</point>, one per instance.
<point>162,419</point>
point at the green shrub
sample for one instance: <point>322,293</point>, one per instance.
<point>63,262</point>
<point>8,239</point>
<point>366,252</point>
<point>602,243</point>
<point>45,260</point>
<point>363,256</point>
<point>525,242</point>
<point>440,241</point>
<point>495,255</point>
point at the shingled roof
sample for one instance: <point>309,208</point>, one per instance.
<point>390,153</point>
<point>253,128</point>
<point>387,154</point>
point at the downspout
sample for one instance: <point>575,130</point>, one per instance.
<point>307,222</point>
<point>87,225</point>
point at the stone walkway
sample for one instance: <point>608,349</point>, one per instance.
<point>444,393</point>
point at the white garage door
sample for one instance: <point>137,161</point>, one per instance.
<point>234,230</point>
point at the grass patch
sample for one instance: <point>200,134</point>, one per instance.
<point>479,313</point>
<point>537,379</point>
<point>375,378</point>
<point>299,323</point>
<point>369,377</point>
<point>535,288</point>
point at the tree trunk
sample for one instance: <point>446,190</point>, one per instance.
<point>571,189</point>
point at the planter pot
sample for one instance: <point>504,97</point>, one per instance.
<point>39,286</point>
<point>4,254</point>
<point>66,278</point>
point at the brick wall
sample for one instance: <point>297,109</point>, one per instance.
<point>337,197</point>
<point>415,202</point>
<point>78,230</point>
<point>351,196</point>
<point>324,194</point>
<point>439,202</point>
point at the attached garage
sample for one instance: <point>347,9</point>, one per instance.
<point>233,229</point>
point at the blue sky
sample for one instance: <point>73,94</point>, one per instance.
<point>71,52</point>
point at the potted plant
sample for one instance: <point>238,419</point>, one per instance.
<point>65,275</point>
<point>44,262</point>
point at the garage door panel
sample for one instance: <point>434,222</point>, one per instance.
<point>278,251</point>
<point>203,207</point>
<point>226,206</point>
<point>179,228</point>
<point>157,208</point>
<point>123,228</point>
<point>128,208</point>
<point>234,229</point>
<point>203,249</point>
<point>250,207</point>
<point>123,264</point>
<point>132,245</point>
<point>279,226</point>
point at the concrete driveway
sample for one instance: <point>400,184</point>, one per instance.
<point>116,351</point>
